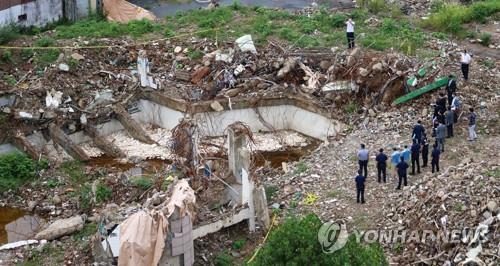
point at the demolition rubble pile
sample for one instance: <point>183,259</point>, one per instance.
<point>464,197</point>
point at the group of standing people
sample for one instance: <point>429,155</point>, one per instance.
<point>446,114</point>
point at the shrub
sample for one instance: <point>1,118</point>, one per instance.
<point>8,33</point>
<point>485,39</point>
<point>10,80</point>
<point>45,42</point>
<point>295,242</point>
<point>85,197</point>
<point>102,193</point>
<point>7,56</point>
<point>15,169</point>
<point>224,259</point>
<point>374,6</point>
<point>47,56</point>
<point>301,168</point>
<point>142,182</point>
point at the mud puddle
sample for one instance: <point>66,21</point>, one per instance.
<point>148,166</point>
<point>16,225</point>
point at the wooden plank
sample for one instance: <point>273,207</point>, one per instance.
<point>429,87</point>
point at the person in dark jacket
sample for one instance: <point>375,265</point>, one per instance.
<point>360,187</point>
<point>451,88</point>
<point>450,120</point>
<point>435,158</point>
<point>415,157</point>
<point>418,131</point>
<point>381,165</point>
<point>440,135</point>
<point>425,152</point>
<point>402,172</point>
<point>441,103</point>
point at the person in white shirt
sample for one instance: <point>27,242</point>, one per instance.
<point>350,33</point>
<point>465,59</point>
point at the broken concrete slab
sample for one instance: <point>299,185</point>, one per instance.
<point>61,228</point>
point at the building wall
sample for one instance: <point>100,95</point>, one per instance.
<point>31,12</point>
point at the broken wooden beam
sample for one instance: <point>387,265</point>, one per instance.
<point>59,137</point>
<point>106,146</point>
<point>22,143</point>
<point>132,126</point>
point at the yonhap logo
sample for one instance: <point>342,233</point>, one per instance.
<point>332,236</point>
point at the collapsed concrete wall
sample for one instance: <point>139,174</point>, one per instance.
<point>39,13</point>
<point>31,13</point>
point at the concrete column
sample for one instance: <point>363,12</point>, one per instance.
<point>179,248</point>
<point>237,159</point>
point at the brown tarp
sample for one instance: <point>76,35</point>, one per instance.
<point>123,11</point>
<point>142,239</point>
<point>142,235</point>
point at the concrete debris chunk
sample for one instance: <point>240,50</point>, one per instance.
<point>63,67</point>
<point>61,228</point>
<point>143,68</point>
<point>216,106</point>
<point>53,99</point>
<point>77,56</point>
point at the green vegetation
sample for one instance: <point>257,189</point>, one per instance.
<point>451,17</point>
<point>142,182</point>
<point>398,247</point>
<point>301,167</point>
<point>6,56</point>
<point>98,28</point>
<point>85,198</point>
<point>224,259</point>
<point>195,54</point>
<point>75,171</point>
<point>102,193</point>
<point>485,39</point>
<point>495,173</point>
<point>84,235</point>
<point>239,244</point>
<point>49,255</point>
<point>351,108</point>
<point>47,56</point>
<point>73,63</point>
<point>8,33</point>
<point>16,169</point>
<point>295,242</point>
<point>489,63</point>
<point>45,42</point>
<point>271,191</point>
<point>10,80</point>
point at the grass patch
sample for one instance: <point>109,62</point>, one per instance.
<point>6,56</point>
<point>271,191</point>
<point>239,244</point>
<point>75,171</point>
<point>489,63</point>
<point>451,17</point>
<point>485,39</point>
<point>45,42</point>
<point>194,54</point>
<point>142,182</point>
<point>45,57</point>
<point>99,28</point>
<point>301,167</point>
<point>84,235</point>
<point>224,259</point>
<point>49,255</point>
<point>333,193</point>
<point>16,169</point>
<point>11,81</point>
<point>102,193</point>
<point>495,173</point>
<point>351,108</point>
<point>9,33</point>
